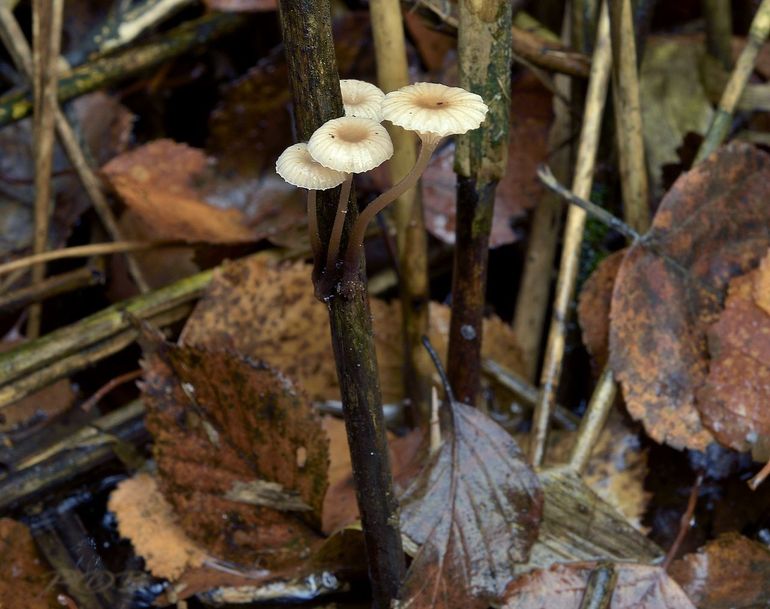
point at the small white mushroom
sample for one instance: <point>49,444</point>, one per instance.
<point>298,168</point>
<point>361,99</point>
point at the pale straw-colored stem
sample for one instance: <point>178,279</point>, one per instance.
<point>312,223</point>
<point>339,224</point>
<point>601,65</point>
<point>427,146</point>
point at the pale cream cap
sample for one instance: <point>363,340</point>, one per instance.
<point>361,99</point>
<point>298,168</point>
<point>434,108</point>
<point>352,145</point>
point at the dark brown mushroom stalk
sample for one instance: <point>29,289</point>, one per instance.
<point>433,111</point>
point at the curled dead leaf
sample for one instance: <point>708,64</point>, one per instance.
<point>475,510</point>
<point>710,227</point>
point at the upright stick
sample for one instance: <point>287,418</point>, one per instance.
<point>573,235</point>
<point>723,117</point>
<point>628,117</point>
<point>307,36</point>
<point>46,34</point>
<point>392,74</point>
<point>484,40</point>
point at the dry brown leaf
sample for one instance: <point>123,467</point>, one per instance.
<point>156,181</point>
<point>731,572</point>
<point>241,455</point>
<point>147,519</point>
<point>733,401</point>
<point>24,578</point>
<point>711,226</point>
<point>474,509</point>
<point>267,310</point>
<point>594,308</point>
<point>563,586</point>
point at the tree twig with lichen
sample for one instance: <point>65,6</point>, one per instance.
<point>484,41</point>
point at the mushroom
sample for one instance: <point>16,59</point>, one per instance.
<point>361,99</point>
<point>298,168</point>
<point>349,145</point>
<point>434,111</point>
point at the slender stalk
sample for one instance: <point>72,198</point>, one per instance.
<point>628,116</point>
<point>411,237</point>
<point>14,40</point>
<point>79,251</point>
<point>720,124</point>
<point>47,18</point>
<point>338,226</point>
<point>312,224</point>
<point>102,72</point>
<point>356,242</point>
<point>719,30</point>
<point>573,235</point>
<point>534,291</point>
<point>593,420</point>
<point>306,28</point>
<point>53,286</point>
<point>484,44</point>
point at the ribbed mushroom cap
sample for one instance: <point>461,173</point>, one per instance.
<point>351,144</point>
<point>298,168</point>
<point>361,99</point>
<point>434,108</point>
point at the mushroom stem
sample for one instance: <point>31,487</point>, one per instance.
<point>312,223</point>
<point>339,224</point>
<point>428,145</point>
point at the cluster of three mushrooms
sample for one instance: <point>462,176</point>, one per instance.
<point>357,143</point>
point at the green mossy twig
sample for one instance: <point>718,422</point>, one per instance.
<point>484,43</point>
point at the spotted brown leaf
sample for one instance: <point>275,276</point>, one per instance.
<point>242,457</point>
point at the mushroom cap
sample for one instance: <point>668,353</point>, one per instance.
<point>351,144</point>
<point>298,168</point>
<point>361,99</point>
<point>434,108</point>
